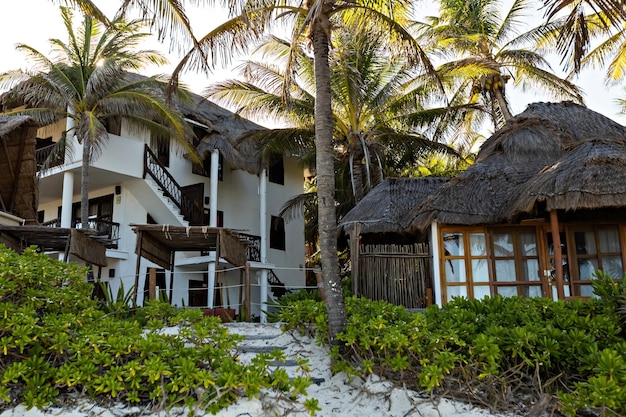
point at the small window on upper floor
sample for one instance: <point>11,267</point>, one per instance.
<point>160,145</point>
<point>276,171</point>
<point>277,233</point>
<point>113,125</point>
<point>204,168</point>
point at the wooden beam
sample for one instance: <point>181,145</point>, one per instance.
<point>558,255</point>
<point>152,284</point>
<point>138,264</point>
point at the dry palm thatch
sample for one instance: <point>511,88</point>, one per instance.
<point>536,138</point>
<point>18,188</point>
<point>592,175</point>
<point>385,208</point>
<point>223,131</point>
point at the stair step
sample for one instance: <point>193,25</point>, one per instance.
<point>288,362</point>
<point>260,349</point>
<point>259,337</point>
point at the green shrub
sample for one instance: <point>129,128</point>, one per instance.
<point>54,340</point>
<point>499,352</point>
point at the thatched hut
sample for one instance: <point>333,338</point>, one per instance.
<point>546,190</point>
<point>18,189</point>
<point>390,262</point>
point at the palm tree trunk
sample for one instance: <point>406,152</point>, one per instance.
<point>84,185</point>
<point>327,217</point>
<point>502,103</point>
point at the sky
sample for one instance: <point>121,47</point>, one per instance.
<point>33,22</point>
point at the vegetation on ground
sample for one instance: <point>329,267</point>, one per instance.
<point>506,354</point>
<point>56,340</point>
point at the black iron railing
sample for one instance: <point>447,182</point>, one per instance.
<point>46,157</point>
<point>170,187</point>
<point>254,246</point>
<point>106,231</point>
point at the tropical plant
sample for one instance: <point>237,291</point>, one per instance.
<point>481,51</point>
<point>89,82</point>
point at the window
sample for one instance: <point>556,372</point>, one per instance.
<point>276,171</point>
<point>465,267</point>
<point>594,248</point>
<point>204,168</point>
<point>100,211</point>
<point>41,216</point>
<point>516,270</point>
<point>113,125</point>
<point>160,145</point>
<point>277,233</point>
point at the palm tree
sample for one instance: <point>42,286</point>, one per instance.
<point>314,19</point>
<point>380,122</point>
<point>581,19</point>
<point>89,82</point>
<point>482,51</point>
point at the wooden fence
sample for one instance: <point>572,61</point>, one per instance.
<point>399,274</point>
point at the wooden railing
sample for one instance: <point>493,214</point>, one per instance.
<point>170,188</point>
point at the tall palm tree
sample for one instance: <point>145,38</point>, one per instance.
<point>315,19</point>
<point>481,51</point>
<point>89,82</point>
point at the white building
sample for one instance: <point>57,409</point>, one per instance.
<point>140,180</point>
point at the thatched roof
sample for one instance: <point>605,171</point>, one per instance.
<point>591,175</point>
<point>223,131</point>
<point>535,139</point>
<point>18,188</point>
<point>386,207</point>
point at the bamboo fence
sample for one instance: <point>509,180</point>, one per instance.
<point>399,274</point>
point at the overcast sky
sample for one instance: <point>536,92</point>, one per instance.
<point>33,22</point>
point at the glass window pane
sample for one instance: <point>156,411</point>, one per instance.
<point>609,240</point>
<point>477,244</point>
<point>586,268</point>
<point>612,265</point>
<point>456,292</point>
<point>585,243</point>
<point>587,291</point>
<point>533,291</point>
<point>505,270</point>
<point>481,291</point>
<point>503,244</point>
<point>453,244</point>
<point>480,270</point>
<point>507,291</point>
<point>531,270</point>
<point>529,244</point>
<point>455,270</point>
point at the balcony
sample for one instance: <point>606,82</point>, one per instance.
<point>104,231</point>
<point>45,158</point>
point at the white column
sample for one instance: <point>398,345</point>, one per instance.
<point>434,249</point>
<point>215,160</point>
<point>263,232</point>
<point>66,201</point>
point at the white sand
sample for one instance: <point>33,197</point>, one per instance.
<point>336,395</point>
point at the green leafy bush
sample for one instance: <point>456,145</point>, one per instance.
<point>499,352</point>
<point>54,339</point>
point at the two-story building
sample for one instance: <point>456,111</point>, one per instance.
<point>141,180</point>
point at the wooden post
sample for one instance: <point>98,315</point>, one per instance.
<point>354,256</point>
<point>152,283</point>
<point>138,252</point>
<point>558,255</point>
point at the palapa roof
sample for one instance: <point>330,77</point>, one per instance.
<point>18,187</point>
<point>224,130</point>
<point>544,135</point>
<point>591,175</point>
<point>386,207</point>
